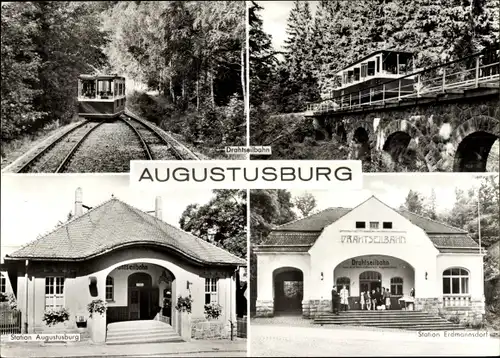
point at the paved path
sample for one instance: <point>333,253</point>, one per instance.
<point>198,348</point>
<point>285,340</point>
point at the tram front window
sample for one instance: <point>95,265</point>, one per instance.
<point>105,89</point>
<point>88,89</point>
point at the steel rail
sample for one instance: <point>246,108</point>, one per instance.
<point>73,150</point>
<point>44,151</point>
<point>145,146</point>
<point>166,138</point>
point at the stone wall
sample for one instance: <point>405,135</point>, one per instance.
<point>210,329</point>
<point>464,315</point>
<point>435,128</point>
<point>264,309</point>
<point>313,308</point>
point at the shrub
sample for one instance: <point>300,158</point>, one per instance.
<point>98,306</point>
<point>213,310</point>
<point>184,304</point>
<point>52,317</point>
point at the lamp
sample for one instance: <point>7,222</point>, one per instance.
<point>321,276</point>
<point>188,284</point>
<point>426,275</point>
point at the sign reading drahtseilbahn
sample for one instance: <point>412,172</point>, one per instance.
<point>373,239</point>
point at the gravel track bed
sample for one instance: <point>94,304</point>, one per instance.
<point>108,149</point>
<point>49,162</point>
<point>159,150</point>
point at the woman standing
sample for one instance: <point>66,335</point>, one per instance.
<point>362,300</point>
<point>388,300</point>
<point>368,300</point>
<point>344,298</point>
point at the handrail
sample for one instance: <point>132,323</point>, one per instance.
<point>437,84</point>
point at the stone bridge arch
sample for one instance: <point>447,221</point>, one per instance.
<point>400,138</point>
<point>472,142</point>
<point>361,139</point>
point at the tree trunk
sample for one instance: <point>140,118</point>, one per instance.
<point>183,89</point>
<point>198,92</point>
<point>212,96</point>
<point>243,75</point>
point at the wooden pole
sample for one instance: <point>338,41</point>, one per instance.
<point>477,72</point>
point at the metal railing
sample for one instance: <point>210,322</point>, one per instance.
<point>458,75</point>
<point>10,321</point>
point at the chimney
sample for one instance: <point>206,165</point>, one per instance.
<point>78,202</point>
<point>158,213</point>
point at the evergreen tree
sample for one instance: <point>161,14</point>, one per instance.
<point>262,57</point>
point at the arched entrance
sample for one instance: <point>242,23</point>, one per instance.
<point>369,272</point>
<point>288,283</point>
<point>370,281</point>
<point>142,297</point>
<point>473,152</point>
<point>140,291</point>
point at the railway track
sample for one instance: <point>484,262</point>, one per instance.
<point>55,157</point>
<point>58,155</point>
<point>179,150</point>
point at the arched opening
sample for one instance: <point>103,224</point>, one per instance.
<point>370,281</point>
<point>473,152</point>
<point>288,283</point>
<point>379,273</point>
<point>361,144</point>
<point>140,291</point>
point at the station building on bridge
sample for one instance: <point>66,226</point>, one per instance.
<point>363,248</point>
<point>135,262</point>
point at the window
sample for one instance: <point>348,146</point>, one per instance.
<point>373,224</point>
<point>356,74</point>
<point>109,288</point>
<point>341,281</point>
<point>397,286</point>
<point>54,292</point>
<point>455,281</point>
<point>87,89</point>
<point>371,68</point>
<point>2,284</point>
<point>387,225</point>
<point>363,69</point>
<point>360,225</point>
<point>211,290</point>
<point>378,64</point>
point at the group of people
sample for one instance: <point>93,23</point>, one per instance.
<point>340,300</point>
<point>376,300</point>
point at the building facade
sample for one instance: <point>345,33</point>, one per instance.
<point>133,261</point>
<point>364,248</point>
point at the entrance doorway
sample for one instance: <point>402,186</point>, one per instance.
<point>142,297</point>
<point>288,290</point>
<point>369,281</point>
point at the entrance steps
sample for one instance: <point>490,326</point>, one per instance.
<point>150,331</point>
<point>408,320</point>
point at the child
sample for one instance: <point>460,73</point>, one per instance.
<point>368,300</point>
<point>362,300</point>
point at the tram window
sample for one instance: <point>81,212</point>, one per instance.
<point>360,225</point>
<point>387,225</point>
<point>88,89</point>
<point>350,75</point>
<point>356,74</point>
<point>373,224</point>
<point>371,68</point>
<point>364,67</point>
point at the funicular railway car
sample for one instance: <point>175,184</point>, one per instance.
<point>368,80</point>
<point>101,96</point>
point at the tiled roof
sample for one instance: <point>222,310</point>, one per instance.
<point>306,231</point>
<point>114,224</point>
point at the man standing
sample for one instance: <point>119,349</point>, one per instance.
<point>335,301</point>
